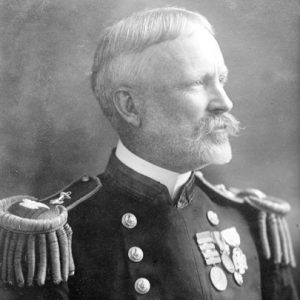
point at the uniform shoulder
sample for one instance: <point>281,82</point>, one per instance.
<point>249,197</point>
<point>75,193</point>
<point>35,237</point>
<point>273,229</point>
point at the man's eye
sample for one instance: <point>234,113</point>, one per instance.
<point>223,79</point>
<point>199,82</point>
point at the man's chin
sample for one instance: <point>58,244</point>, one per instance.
<point>220,154</point>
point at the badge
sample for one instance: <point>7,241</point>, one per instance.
<point>204,237</point>
<point>213,260</point>
<point>239,260</point>
<point>218,239</point>
<point>207,248</point>
<point>223,247</point>
<point>238,278</point>
<point>231,237</point>
<point>218,278</point>
<point>62,197</point>
<point>32,204</point>
<point>227,263</point>
<point>210,253</point>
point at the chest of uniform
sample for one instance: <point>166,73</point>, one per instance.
<point>203,250</point>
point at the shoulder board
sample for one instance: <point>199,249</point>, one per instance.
<point>75,193</point>
<point>219,189</point>
<point>35,237</point>
<point>250,196</point>
<point>273,228</point>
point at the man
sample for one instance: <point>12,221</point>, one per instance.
<point>151,227</point>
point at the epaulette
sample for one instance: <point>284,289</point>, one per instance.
<point>35,238</point>
<point>273,228</point>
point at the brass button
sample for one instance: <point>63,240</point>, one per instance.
<point>85,178</point>
<point>142,286</point>
<point>135,254</point>
<point>213,218</point>
<point>129,220</point>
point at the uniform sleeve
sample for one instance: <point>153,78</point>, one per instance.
<point>47,292</point>
<point>278,283</point>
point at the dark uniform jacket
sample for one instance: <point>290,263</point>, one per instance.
<point>165,231</point>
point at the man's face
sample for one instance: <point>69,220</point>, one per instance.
<point>185,102</point>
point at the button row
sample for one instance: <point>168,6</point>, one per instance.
<point>136,254</point>
<point>142,285</point>
<point>129,220</point>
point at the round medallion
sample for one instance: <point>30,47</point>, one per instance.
<point>227,262</point>
<point>129,220</point>
<point>142,286</point>
<point>218,278</point>
<point>135,254</point>
<point>238,278</point>
<point>212,218</point>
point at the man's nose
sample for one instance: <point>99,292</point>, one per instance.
<point>219,102</point>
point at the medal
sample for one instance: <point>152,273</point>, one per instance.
<point>213,260</point>
<point>218,278</point>
<point>210,253</point>
<point>219,240</point>
<point>204,237</point>
<point>207,247</point>
<point>231,237</point>
<point>238,278</point>
<point>239,260</point>
<point>222,247</point>
<point>227,263</point>
<point>225,251</point>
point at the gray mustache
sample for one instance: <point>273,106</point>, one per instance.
<point>223,121</point>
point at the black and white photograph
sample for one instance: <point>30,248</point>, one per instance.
<point>149,150</point>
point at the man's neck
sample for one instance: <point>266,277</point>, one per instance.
<point>172,180</point>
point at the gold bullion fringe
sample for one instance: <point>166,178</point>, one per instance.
<point>273,228</point>
<point>27,259</point>
<point>276,239</point>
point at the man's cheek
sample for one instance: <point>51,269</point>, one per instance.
<point>194,103</point>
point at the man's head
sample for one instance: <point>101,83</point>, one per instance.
<point>159,76</point>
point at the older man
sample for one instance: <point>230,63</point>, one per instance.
<point>151,227</point>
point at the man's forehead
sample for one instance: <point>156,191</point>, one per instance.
<point>188,55</point>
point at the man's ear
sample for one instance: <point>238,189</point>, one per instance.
<point>126,106</point>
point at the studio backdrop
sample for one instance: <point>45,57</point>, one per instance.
<point>52,130</point>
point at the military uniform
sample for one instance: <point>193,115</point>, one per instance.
<point>132,241</point>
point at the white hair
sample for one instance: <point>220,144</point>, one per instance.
<point>122,42</point>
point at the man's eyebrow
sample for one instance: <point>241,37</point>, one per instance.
<point>224,71</point>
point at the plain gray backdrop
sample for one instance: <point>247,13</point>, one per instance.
<point>52,130</point>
